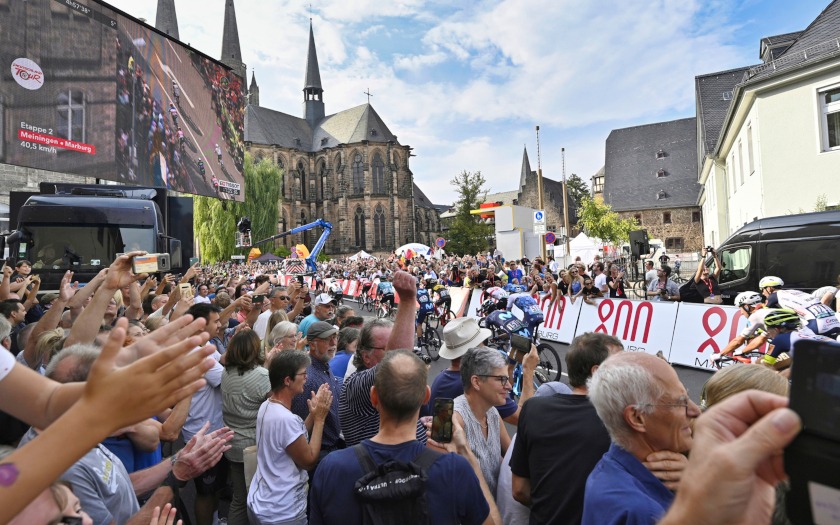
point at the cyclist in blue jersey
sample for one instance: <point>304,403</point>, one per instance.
<point>784,329</point>
<point>426,306</point>
<point>532,315</point>
<point>385,291</point>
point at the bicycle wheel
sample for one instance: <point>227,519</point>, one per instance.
<point>368,304</point>
<point>380,311</point>
<point>449,316</point>
<point>549,365</point>
<point>639,289</point>
<point>432,343</point>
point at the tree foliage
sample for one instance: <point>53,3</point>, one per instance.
<point>598,220</point>
<point>468,235</point>
<point>578,190</point>
<point>215,220</point>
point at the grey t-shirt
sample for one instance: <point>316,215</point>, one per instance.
<point>101,483</point>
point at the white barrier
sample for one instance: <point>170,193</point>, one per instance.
<point>561,318</point>
<point>643,326</point>
<point>702,331</point>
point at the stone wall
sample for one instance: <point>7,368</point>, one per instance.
<point>682,226</point>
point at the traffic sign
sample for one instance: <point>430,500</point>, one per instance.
<point>539,217</point>
<point>550,238</point>
<point>440,242</point>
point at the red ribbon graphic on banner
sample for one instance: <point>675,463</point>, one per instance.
<point>712,332</point>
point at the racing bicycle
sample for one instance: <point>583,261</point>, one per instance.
<point>430,339</point>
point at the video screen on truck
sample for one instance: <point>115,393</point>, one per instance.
<point>85,89</point>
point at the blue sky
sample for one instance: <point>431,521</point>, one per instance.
<point>465,83</point>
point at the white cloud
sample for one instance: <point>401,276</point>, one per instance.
<point>464,84</point>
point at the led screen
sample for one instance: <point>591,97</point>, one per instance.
<point>85,89</point>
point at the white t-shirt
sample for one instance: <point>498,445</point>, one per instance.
<point>261,325</point>
<point>199,300</point>
<point>650,276</point>
<point>278,490</point>
<point>206,403</point>
<point>513,512</point>
<point>7,362</point>
<point>600,282</point>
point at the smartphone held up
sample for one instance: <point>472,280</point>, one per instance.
<point>442,420</point>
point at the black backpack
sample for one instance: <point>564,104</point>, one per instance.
<point>394,492</point>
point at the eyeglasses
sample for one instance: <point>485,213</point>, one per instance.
<point>304,374</point>
<point>683,403</point>
<point>71,520</point>
<point>283,297</point>
<point>503,380</point>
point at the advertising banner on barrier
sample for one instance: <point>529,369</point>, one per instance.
<point>703,330</point>
<point>643,326</point>
<point>474,305</point>
<point>459,297</point>
<point>561,318</point>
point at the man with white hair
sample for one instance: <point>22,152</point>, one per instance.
<point>648,415</point>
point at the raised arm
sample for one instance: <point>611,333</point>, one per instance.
<point>4,284</point>
<point>402,335</point>
<point>699,272</point>
<point>112,398</point>
<point>49,320</point>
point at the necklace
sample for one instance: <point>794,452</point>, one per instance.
<point>272,400</point>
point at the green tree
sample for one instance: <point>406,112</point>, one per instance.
<point>468,234</point>
<point>598,220</point>
<point>578,190</point>
<point>215,220</point>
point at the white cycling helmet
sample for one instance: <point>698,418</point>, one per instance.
<point>748,299</point>
<point>772,281</point>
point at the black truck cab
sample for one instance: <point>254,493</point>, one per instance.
<point>803,249</point>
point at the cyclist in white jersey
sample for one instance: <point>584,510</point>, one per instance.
<point>819,318</point>
<point>755,333</point>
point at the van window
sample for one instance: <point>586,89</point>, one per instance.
<point>735,262</point>
<point>804,264</point>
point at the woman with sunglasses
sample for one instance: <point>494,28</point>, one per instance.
<point>589,291</point>
<point>484,376</point>
<point>575,284</point>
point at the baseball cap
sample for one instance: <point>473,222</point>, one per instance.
<point>323,298</point>
<point>321,330</point>
<point>459,335</point>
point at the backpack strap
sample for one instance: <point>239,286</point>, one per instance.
<point>364,458</point>
<point>426,458</point>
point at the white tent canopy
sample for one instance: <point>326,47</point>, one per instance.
<point>361,255</point>
<point>416,247</point>
<point>585,248</point>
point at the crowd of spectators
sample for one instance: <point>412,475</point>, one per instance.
<point>269,396</point>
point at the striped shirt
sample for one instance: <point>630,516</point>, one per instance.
<point>487,450</point>
<point>242,396</point>
<point>359,418</point>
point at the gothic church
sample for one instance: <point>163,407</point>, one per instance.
<point>347,168</point>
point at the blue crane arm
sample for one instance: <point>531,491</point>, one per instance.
<point>313,254</point>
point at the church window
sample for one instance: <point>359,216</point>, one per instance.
<point>358,175</point>
<point>303,182</point>
<point>379,227</point>
<point>322,176</point>
<point>378,174</point>
<point>359,222</point>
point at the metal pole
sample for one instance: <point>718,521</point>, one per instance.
<point>565,201</point>
<point>540,202</point>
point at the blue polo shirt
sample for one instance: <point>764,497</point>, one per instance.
<point>319,373</point>
<point>621,491</point>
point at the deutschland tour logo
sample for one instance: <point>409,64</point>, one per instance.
<point>27,74</point>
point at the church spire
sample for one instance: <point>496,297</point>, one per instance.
<point>166,19</point>
<point>231,53</point>
<point>526,169</point>
<point>254,91</point>
<point>313,93</point>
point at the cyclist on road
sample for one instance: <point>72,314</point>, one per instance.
<point>218,151</point>
<point>176,92</point>
<point>497,295</point>
<point>819,318</point>
<point>336,291</point>
<point>443,297</point>
<point>173,112</point>
<point>200,166</point>
<point>752,306</point>
<point>385,292</point>
<point>532,316</point>
<point>784,329</point>
<point>424,299</point>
